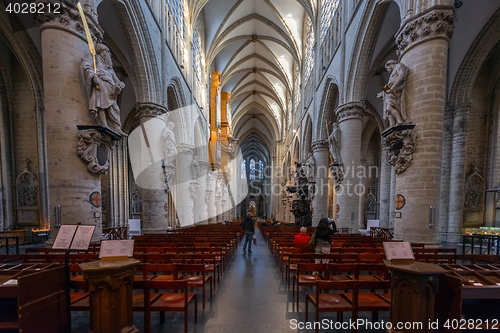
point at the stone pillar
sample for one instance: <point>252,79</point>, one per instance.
<point>184,203</point>
<point>392,198</point>
<point>457,174</point>
<point>320,201</point>
<point>349,117</point>
<point>424,37</point>
<point>200,203</point>
<point>385,190</point>
<point>154,198</point>
<point>444,205</point>
<point>218,198</point>
<point>70,183</point>
<point>210,195</point>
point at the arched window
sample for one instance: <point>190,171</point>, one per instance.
<point>252,169</point>
<point>176,7</point>
<point>197,53</point>
<point>328,9</point>
<point>261,170</point>
<point>244,170</point>
<point>308,54</point>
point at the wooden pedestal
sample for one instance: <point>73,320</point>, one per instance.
<point>413,290</point>
<point>110,287</point>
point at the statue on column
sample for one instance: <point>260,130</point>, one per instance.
<point>103,87</point>
<point>334,144</point>
<point>393,94</point>
<point>169,144</point>
<point>310,167</point>
<point>195,168</point>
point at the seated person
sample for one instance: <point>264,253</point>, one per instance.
<point>302,238</point>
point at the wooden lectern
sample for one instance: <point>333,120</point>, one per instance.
<point>413,290</point>
<point>110,287</point>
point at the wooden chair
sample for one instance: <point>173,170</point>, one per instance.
<point>370,297</point>
<point>196,276</point>
<point>333,302</point>
<point>341,271</point>
<point>307,275</point>
<point>169,301</point>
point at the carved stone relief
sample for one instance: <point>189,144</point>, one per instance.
<point>400,142</point>
<point>474,198</point>
<point>27,196</point>
<point>93,147</point>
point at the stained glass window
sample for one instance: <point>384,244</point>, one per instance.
<point>244,170</point>
<point>328,9</point>
<point>252,169</point>
<point>308,54</point>
<point>261,170</point>
<point>197,53</point>
<point>176,7</point>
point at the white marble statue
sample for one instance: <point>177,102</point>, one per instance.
<point>393,94</point>
<point>169,144</point>
<point>334,144</point>
<point>103,87</point>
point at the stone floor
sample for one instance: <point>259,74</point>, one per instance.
<point>252,297</point>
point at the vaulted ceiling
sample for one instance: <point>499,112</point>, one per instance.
<point>255,45</point>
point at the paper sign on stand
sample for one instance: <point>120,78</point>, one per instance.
<point>116,249</point>
<point>74,237</point>
<point>399,252</point>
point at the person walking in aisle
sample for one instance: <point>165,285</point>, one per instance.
<point>323,233</point>
<point>248,228</point>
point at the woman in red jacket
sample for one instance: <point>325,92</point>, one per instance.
<point>302,238</point>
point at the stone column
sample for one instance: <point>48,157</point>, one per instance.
<point>154,198</point>
<point>424,37</point>
<point>210,195</point>
<point>70,183</point>
<point>392,198</point>
<point>457,174</point>
<point>320,201</point>
<point>385,190</point>
<point>200,203</point>
<point>184,203</point>
<point>218,198</point>
<point>349,117</point>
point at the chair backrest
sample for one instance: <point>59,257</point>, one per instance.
<point>190,268</point>
<point>306,267</point>
<point>379,270</point>
<point>342,269</point>
<point>159,269</point>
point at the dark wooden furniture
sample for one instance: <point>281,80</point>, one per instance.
<point>469,294</point>
<point>33,300</point>
<point>4,241</point>
<point>110,287</point>
<point>413,293</point>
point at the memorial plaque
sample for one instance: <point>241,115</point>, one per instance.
<point>102,154</point>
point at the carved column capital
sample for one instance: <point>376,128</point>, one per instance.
<point>149,109</point>
<point>183,148</point>
<point>62,15</point>
<point>353,110</point>
<point>319,146</point>
<point>437,22</point>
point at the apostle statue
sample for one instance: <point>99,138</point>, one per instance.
<point>310,167</point>
<point>103,88</point>
<point>169,144</point>
<point>393,94</point>
<point>334,144</point>
<point>195,168</point>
